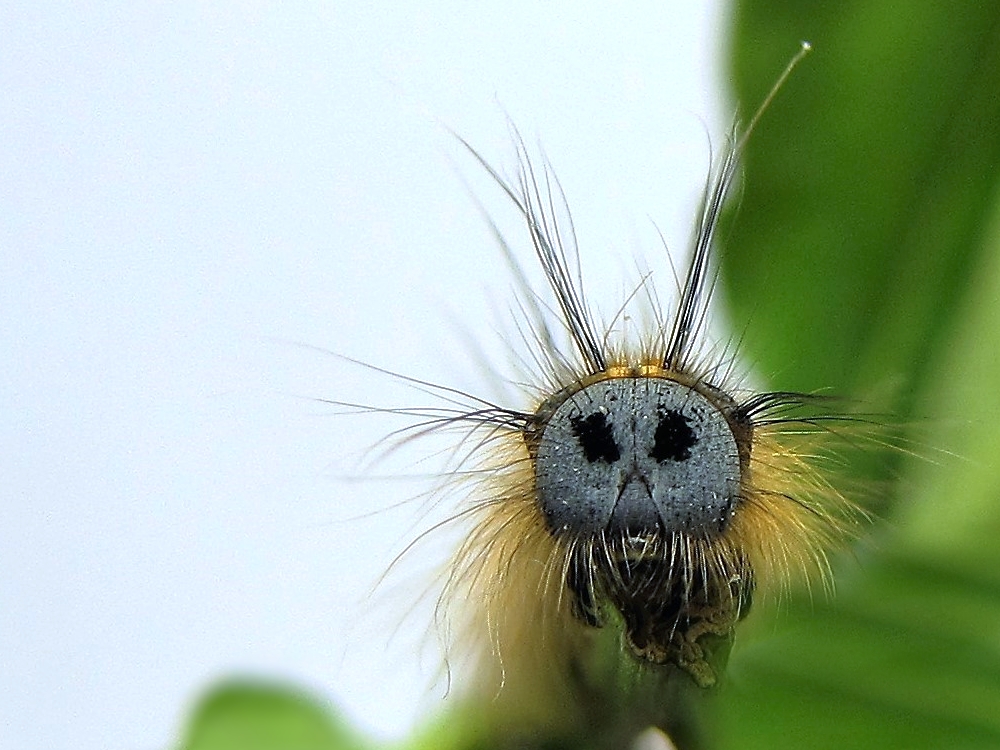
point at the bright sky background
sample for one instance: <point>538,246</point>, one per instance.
<point>191,191</point>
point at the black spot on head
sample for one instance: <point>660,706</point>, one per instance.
<point>596,438</point>
<point>674,437</point>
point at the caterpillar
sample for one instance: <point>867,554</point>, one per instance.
<point>623,518</point>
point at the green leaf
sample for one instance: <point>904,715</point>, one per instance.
<point>259,716</point>
<point>867,186</point>
<point>871,218</point>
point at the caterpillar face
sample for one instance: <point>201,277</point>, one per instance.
<point>639,456</point>
<point>645,461</point>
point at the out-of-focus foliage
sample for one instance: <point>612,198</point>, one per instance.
<point>866,254</point>
<point>258,716</point>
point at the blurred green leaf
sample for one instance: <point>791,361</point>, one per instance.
<point>871,217</point>
<point>259,716</point>
<point>867,185</point>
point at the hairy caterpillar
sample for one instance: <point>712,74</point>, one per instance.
<point>624,516</point>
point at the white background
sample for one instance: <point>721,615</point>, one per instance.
<point>189,192</point>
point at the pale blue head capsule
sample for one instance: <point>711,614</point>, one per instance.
<point>637,454</point>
